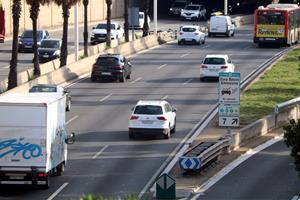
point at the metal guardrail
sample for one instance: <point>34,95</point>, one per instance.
<point>203,153</point>
<point>283,105</point>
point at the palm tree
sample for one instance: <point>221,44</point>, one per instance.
<point>66,5</point>
<point>12,76</point>
<point>108,19</point>
<point>146,14</point>
<point>126,24</point>
<point>85,32</point>
<point>34,14</point>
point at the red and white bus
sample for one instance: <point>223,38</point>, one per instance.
<point>2,23</point>
<point>277,23</point>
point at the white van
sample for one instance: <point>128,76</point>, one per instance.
<point>221,25</point>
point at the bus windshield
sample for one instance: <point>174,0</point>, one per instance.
<point>270,18</point>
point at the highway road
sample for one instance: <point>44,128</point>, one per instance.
<point>269,174</point>
<point>25,59</point>
<point>104,160</point>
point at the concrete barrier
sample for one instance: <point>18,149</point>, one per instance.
<point>242,20</point>
<point>263,126</point>
<point>83,66</point>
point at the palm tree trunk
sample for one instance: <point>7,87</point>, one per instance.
<point>85,32</point>
<point>146,13</point>
<point>64,46</point>
<point>108,18</point>
<point>126,24</point>
<point>34,13</point>
<point>12,76</point>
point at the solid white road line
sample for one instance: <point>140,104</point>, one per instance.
<point>188,81</point>
<point>184,55</point>
<point>206,46</point>
<point>162,66</point>
<point>200,190</point>
<point>165,97</point>
<point>58,191</point>
<point>72,119</point>
<point>98,153</point>
<point>106,97</point>
<point>136,80</point>
<point>295,198</point>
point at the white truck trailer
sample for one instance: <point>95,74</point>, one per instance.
<point>33,138</point>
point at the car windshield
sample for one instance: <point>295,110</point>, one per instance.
<point>107,61</point>
<point>43,89</point>
<point>214,61</point>
<point>188,29</point>
<point>104,26</point>
<point>148,110</point>
<point>179,4</point>
<point>28,34</point>
<point>50,44</point>
<point>192,8</point>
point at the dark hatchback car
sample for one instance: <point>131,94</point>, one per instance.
<point>26,40</point>
<point>49,50</point>
<point>111,66</point>
<point>51,88</point>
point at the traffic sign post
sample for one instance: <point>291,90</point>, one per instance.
<point>229,99</point>
<point>165,187</point>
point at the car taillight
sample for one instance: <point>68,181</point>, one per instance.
<point>119,67</point>
<point>224,67</point>
<point>94,66</point>
<point>133,117</point>
<point>204,66</point>
<point>42,174</point>
<point>196,33</point>
<point>162,118</point>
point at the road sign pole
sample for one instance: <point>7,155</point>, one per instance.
<point>155,16</point>
<point>76,41</point>
<point>225,7</point>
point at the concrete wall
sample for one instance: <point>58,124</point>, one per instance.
<point>51,15</point>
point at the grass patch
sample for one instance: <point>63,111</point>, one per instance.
<point>279,84</point>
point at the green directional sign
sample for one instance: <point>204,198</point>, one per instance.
<point>165,187</point>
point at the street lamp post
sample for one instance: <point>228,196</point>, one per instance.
<point>155,15</point>
<point>225,7</point>
<point>76,41</point>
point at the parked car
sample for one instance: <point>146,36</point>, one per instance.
<point>178,5</point>
<point>221,25</point>
<point>190,33</point>
<point>99,32</point>
<point>193,12</point>
<point>112,66</point>
<point>49,49</point>
<point>26,39</point>
<point>52,88</point>
<point>157,117</point>
<point>213,64</point>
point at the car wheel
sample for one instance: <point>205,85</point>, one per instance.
<point>173,130</point>
<point>209,34</point>
<point>68,108</point>
<point>232,34</point>
<point>203,41</point>
<point>93,79</point>
<point>202,79</point>
<point>179,42</point>
<point>167,136</point>
<point>131,135</point>
<point>123,78</point>
<point>228,34</point>
<point>60,169</point>
<point>128,76</point>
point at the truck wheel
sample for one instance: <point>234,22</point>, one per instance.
<point>47,184</point>
<point>131,135</point>
<point>68,108</point>
<point>60,169</point>
<point>93,79</point>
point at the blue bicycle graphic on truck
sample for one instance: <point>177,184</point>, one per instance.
<point>15,146</point>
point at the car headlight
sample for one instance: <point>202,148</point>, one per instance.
<point>38,43</point>
<point>56,53</point>
<point>171,9</point>
<point>92,34</point>
<point>20,42</point>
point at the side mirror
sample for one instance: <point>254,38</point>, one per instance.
<point>70,139</point>
<point>94,27</point>
<point>66,91</point>
<point>174,110</point>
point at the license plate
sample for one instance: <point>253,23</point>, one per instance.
<point>106,73</point>
<point>27,46</point>
<point>188,18</point>
<point>213,70</point>
<point>147,122</point>
<point>46,56</point>
<point>188,39</point>
<point>16,177</point>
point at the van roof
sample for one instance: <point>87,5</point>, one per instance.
<point>151,102</point>
<point>30,98</point>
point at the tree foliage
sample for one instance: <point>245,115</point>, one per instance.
<point>292,139</point>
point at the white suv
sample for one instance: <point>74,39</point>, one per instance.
<point>190,33</point>
<point>194,12</point>
<point>157,117</point>
<point>213,64</point>
<point>99,32</point>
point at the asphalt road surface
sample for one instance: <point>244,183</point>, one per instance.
<point>104,160</point>
<point>270,174</point>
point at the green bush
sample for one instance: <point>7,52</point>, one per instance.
<point>292,139</point>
